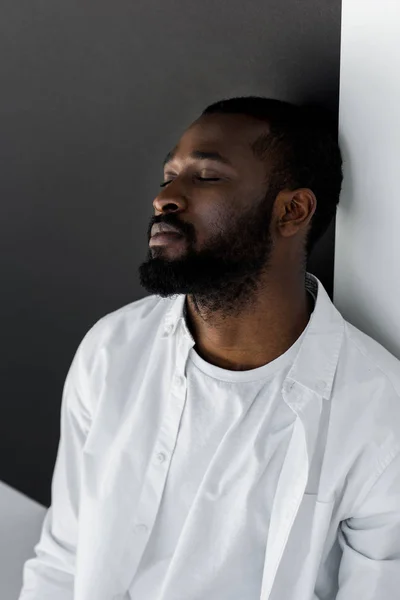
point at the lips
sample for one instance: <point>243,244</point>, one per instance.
<point>166,234</point>
<point>166,238</point>
<point>159,228</point>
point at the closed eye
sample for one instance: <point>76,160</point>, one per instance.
<point>200,178</point>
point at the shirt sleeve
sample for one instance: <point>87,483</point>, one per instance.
<point>49,575</point>
<point>370,541</point>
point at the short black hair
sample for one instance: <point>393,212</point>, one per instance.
<point>302,144</point>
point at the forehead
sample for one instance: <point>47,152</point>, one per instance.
<point>229,136</point>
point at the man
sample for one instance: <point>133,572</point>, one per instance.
<point>230,436</point>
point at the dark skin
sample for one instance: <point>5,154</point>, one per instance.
<point>247,315</point>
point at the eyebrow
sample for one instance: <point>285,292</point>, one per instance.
<point>198,154</point>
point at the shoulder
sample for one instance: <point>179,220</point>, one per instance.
<point>366,401</point>
<point>365,416</point>
<point>118,335</point>
<point>365,359</point>
<point>121,324</point>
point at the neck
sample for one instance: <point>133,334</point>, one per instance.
<point>260,333</point>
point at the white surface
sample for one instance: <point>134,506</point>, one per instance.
<point>20,523</point>
<point>367,254</point>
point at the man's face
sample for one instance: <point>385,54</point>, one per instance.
<point>225,223</point>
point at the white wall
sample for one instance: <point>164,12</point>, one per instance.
<point>367,254</point>
<point>21,522</point>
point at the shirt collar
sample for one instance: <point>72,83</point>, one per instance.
<point>315,364</point>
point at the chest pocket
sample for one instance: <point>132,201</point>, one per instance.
<point>298,569</point>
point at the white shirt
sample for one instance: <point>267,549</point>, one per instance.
<point>179,480</point>
<point>222,472</point>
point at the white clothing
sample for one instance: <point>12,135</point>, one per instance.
<point>179,480</point>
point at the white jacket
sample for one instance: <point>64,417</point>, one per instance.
<point>335,524</point>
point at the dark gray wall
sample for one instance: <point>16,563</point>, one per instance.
<point>93,94</point>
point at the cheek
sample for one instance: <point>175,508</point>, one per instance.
<point>213,213</point>
<point>210,226</point>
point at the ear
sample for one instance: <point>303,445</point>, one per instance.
<point>294,211</point>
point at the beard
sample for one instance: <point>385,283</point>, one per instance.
<point>225,274</point>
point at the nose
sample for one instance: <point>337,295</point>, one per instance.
<point>171,197</point>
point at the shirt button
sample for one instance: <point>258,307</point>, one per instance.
<point>177,381</point>
<point>161,457</point>
<point>141,527</point>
